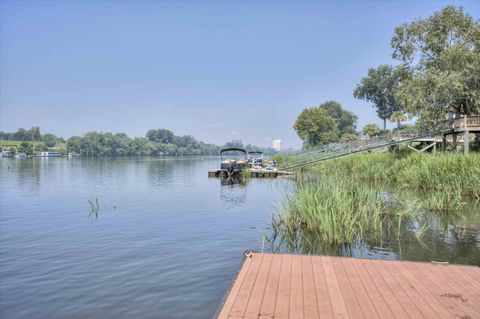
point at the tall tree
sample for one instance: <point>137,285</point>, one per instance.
<point>346,120</point>
<point>443,51</point>
<point>398,117</point>
<point>26,148</point>
<point>161,136</point>
<point>315,127</point>
<point>379,87</point>
<point>325,124</point>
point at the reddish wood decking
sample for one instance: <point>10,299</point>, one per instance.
<point>295,286</point>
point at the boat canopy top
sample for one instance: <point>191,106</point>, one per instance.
<point>233,149</point>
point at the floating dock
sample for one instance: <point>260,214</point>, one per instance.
<point>300,286</point>
<point>260,173</point>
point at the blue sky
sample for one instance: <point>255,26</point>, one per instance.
<point>215,70</point>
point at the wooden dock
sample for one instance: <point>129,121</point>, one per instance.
<point>299,286</point>
<point>256,173</point>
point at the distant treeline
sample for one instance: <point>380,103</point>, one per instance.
<point>158,142</point>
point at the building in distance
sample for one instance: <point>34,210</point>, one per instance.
<point>277,145</point>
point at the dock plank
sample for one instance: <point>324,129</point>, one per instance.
<point>296,289</point>
<point>309,295</point>
<point>336,298</point>
<point>282,305</point>
<point>227,306</point>
<point>407,303</point>
<point>321,289</point>
<point>390,299</point>
<point>256,297</point>
<point>351,303</point>
<point>366,304</point>
<point>298,286</point>
<point>241,300</point>
<point>267,309</point>
<point>375,295</point>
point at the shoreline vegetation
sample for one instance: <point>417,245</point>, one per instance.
<point>388,199</point>
<point>376,199</point>
<point>158,142</point>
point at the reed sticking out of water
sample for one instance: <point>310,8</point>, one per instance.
<point>94,208</point>
<point>245,175</point>
<point>333,211</point>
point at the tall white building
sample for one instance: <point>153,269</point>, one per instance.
<point>277,145</point>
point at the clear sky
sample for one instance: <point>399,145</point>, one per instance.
<point>215,70</point>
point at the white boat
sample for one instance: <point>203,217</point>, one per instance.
<point>49,154</point>
<point>20,155</point>
<point>73,154</point>
<point>6,154</point>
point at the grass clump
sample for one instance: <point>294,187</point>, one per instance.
<point>336,212</point>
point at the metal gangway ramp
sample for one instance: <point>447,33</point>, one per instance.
<point>336,150</point>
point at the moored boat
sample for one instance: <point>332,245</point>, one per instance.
<point>233,165</point>
<point>6,154</point>
<point>255,158</point>
<point>49,154</point>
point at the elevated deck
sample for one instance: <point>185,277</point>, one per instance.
<point>257,173</point>
<point>299,286</point>
<point>467,123</point>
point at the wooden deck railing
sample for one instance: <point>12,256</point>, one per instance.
<point>467,121</point>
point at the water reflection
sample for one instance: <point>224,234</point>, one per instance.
<point>233,192</point>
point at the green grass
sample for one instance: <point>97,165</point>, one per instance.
<point>4,143</point>
<point>331,211</point>
<point>449,173</point>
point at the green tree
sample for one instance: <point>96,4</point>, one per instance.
<point>348,137</point>
<point>34,134</point>
<point>21,135</point>
<point>346,120</point>
<point>443,51</point>
<point>49,139</point>
<point>398,117</point>
<point>161,136</point>
<point>315,127</point>
<point>234,143</point>
<point>379,87</point>
<point>40,147</point>
<point>25,147</point>
<point>371,130</point>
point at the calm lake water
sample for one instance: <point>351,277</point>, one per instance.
<point>166,244</point>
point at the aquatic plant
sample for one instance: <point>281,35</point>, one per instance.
<point>245,175</point>
<point>330,211</point>
<point>94,208</point>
